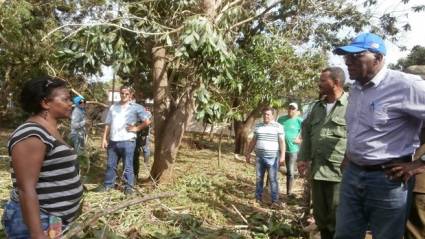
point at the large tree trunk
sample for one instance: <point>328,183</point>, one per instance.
<point>170,118</point>
<point>170,121</point>
<point>170,139</point>
<point>243,128</point>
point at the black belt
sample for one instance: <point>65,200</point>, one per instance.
<point>377,167</point>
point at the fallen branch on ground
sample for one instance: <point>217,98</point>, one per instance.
<point>240,214</point>
<point>89,222</point>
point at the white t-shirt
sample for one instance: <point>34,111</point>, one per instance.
<point>329,107</point>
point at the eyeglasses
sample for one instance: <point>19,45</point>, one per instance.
<point>354,56</point>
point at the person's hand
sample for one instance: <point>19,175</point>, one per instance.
<point>248,157</point>
<point>131,128</point>
<point>303,167</point>
<point>282,161</point>
<point>104,144</point>
<point>344,164</point>
<point>298,140</point>
<point>404,171</point>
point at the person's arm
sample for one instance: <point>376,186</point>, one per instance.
<point>139,127</point>
<point>77,119</point>
<point>106,136</point>
<point>27,160</point>
<point>299,139</point>
<point>107,131</point>
<point>345,161</point>
<point>282,148</point>
<point>145,118</point>
<point>250,148</point>
<point>304,160</point>
<point>407,170</point>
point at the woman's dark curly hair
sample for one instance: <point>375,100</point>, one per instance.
<point>36,90</point>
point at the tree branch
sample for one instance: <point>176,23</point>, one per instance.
<point>225,8</point>
<point>256,16</point>
<point>102,212</point>
<point>82,26</point>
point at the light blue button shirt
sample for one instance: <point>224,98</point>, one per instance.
<point>384,117</point>
<point>78,121</point>
<point>120,116</point>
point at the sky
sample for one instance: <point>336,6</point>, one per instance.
<point>409,39</point>
<point>416,36</point>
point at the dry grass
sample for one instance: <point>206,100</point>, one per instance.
<point>212,201</point>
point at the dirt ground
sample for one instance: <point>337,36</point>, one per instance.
<point>214,199</point>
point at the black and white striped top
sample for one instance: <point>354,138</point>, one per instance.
<point>59,187</point>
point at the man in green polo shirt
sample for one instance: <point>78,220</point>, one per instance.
<point>291,123</point>
<point>324,140</point>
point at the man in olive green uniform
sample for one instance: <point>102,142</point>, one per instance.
<point>324,141</point>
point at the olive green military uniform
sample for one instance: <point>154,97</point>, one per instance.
<point>324,143</point>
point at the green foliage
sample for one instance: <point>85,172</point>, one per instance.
<point>22,53</point>
<point>267,71</point>
<point>272,226</point>
<point>98,46</point>
<point>415,57</point>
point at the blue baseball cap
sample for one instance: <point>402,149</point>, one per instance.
<point>363,42</point>
<point>77,100</point>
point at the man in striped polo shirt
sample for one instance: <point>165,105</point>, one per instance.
<point>269,143</point>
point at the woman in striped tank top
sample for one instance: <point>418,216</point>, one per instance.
<point>47,191</point>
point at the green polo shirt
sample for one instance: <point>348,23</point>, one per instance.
<point>325,139</point>
<point>292,128</point>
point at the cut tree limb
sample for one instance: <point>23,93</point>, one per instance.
<point>240,214</point>
<point>89,222</point>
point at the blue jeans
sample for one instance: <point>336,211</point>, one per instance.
<point>125,151</point>
<point>369,200</point>
<point>13,221</point>
<point>78,142</point>
<point>261,167</point>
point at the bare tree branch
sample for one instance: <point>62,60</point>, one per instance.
<point>89,222</point>
<point>225,8</point>
<point>256,16</point>
<point>87,25</point>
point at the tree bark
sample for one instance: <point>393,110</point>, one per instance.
<point>170,139</point>
<point>160,107</point>
<point>170,121</point>
<point>171,118</point>
<point>243,128</point>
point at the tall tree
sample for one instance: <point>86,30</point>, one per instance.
<point>415,57</point>
<point>185,46</point>
<point>22,54</point>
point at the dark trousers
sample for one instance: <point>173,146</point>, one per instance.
<point>325,197</point>
<point>142,144</point>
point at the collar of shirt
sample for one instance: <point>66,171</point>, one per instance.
<point>376,80</point>
<point>342,100</point>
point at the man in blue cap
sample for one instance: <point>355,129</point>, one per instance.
<point>78,123</point>
<point>384,116</point>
